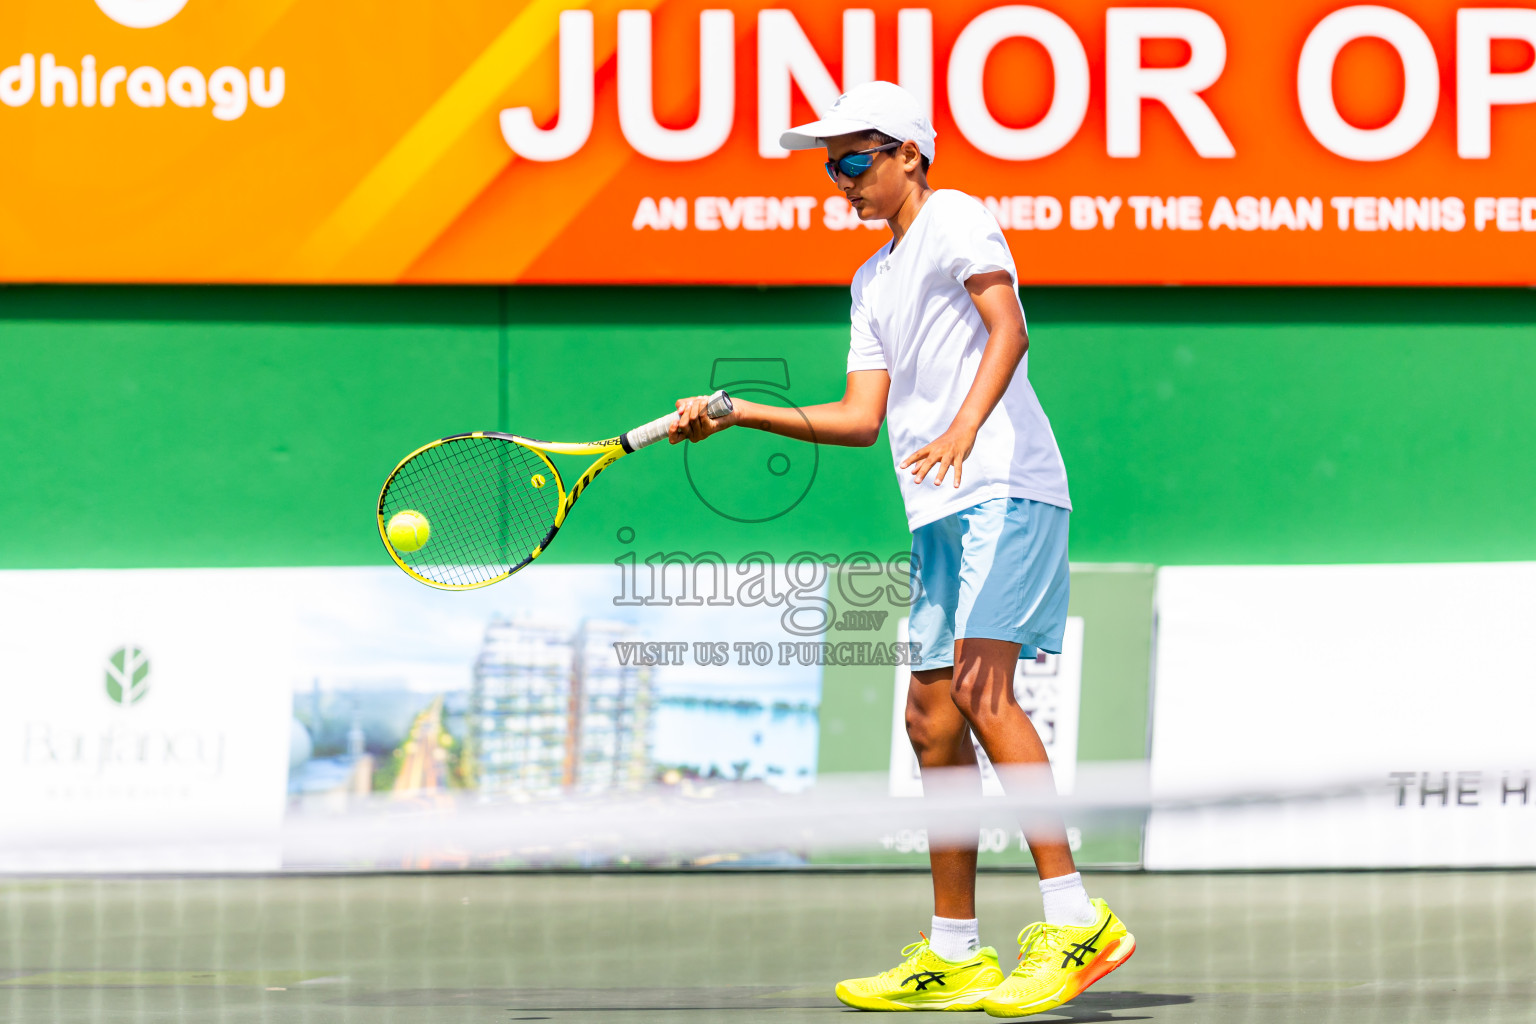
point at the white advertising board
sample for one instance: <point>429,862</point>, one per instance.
<point>170,719</point>
<point>1393,705</point>
<point>147,719</point>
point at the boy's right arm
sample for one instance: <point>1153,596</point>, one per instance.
<point>854,421</point>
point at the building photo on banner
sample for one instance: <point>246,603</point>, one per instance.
<point>559,509</point>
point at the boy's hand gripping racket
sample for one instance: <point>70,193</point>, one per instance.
<point>472,509</point>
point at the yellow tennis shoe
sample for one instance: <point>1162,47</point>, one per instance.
<point>926,981</point>
<point>1057,962</point>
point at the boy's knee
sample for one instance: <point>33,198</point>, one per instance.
<point>930,734</point>
<point>964,690</point>
<point>977,694</point>
<point>918,728</point>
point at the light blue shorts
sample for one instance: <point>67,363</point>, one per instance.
<point>997,570</point>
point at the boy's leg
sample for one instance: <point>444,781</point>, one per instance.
<point>1014,585</point>
<point>935,976</point>
<point>1056,961</point>
<point>982,690</point>
<point>941,738</point>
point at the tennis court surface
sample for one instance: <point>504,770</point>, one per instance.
<point>1356,947</point>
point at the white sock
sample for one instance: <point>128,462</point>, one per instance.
<point>1066,901</point>
<point>954,939</point>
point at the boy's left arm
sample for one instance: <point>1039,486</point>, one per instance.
<point>998,303</point>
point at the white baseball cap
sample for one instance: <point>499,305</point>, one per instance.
<point>874,106</point>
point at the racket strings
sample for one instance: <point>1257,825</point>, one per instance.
<point>479,496</point>
<point>488,509</point>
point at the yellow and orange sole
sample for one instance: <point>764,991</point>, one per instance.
<point>1076,984</point>
<point>963,1002</point>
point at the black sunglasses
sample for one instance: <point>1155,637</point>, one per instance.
<point>855,164</point>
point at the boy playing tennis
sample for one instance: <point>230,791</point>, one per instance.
<point>938,349</point>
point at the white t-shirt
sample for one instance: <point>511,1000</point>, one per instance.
<point>913,318</point>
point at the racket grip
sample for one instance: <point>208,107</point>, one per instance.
<point>649,433</point>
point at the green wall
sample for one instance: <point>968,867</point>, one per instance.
<point>252,426</point>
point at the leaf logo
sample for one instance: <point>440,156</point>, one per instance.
<point>127,676</point>
<point>141,13</point>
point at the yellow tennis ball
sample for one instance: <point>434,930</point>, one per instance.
<point>537,480</point>
<point>409,530</point>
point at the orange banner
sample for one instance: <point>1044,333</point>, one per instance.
<point>635,141</point>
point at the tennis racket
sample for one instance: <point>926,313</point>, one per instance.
<point>472,509</point>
